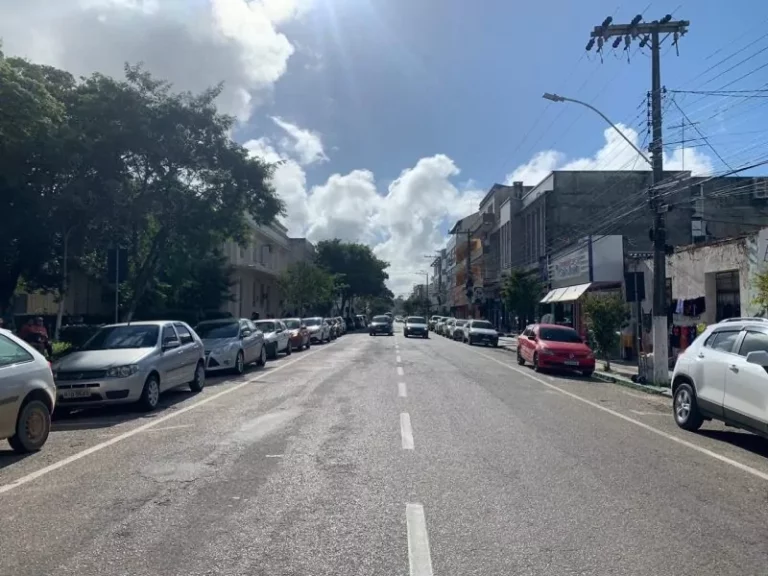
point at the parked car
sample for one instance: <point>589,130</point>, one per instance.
<point>458,329</point>
<point>342,324</point>
<point>276,337</point>
<point>381,325</point>
<point>432,322</point>
<point>723,375</point>
<point>27,394</point>
<point>448,327</point>
<point>416,326</point>
<point>231,344</point>
<point>554,346</point>
<point>361,321</point>
<point>478,332</point>
<point>440,325</point>
<point>299,333</point>
<point>319,331</point>
<point>136,362</point>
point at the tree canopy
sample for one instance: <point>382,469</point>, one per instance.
<point>307,289</point>
<point>92,163</point>
<point>521,293</point>
<point>357,270</point>
<point>605,314</point>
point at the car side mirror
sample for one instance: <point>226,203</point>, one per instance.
<point>532,337</point>
<point>170,344</point>
<point>759,357</point>
<point>245,333</point>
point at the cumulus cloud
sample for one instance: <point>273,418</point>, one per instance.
<point>194,45</point>
<point>306,145</point>
<point>615,154</point>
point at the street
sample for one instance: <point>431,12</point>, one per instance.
<point>386,455</point>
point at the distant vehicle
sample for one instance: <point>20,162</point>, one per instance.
<point>381,325</point>
<point>458,330</point>
<point>342,324</point>
<point>553,346</point>
<point>319,331</point>
<point>136,362</point>
<point>299,334</point>
<point>433,321</point>
<point>398,318</point>
<point>448,327</point>
<point>416,326</point>
<point>27,394</point>
<point>231,344</point>
<point>333,328</point>
<point>478,332</point>
<point>277,338</point>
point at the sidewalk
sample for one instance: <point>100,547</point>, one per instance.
<point>621,372</point>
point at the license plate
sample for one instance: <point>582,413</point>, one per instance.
<point>571,362</point>
<point>78,393</point>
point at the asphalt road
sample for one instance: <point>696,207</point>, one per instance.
<point>388,456</point>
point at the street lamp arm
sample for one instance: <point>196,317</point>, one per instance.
<point>558,98</point>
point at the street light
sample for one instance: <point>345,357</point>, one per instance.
<point>558,98</point>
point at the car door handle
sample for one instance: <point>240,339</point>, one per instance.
<point>700,355</point>
<point>733,368</point>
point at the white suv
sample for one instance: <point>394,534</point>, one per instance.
<point>723,376</point>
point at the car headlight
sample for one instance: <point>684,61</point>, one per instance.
<point>122,371</point>
<point>547,352</point>
<point>314,328</point>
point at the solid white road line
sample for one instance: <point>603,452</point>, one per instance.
<point>401,390</point>
<point>406,434</point>
<point>670,437</point>
<point>419,557</point>
<point>139,429</point>
<point>399,360</point>
<point>400,371</point>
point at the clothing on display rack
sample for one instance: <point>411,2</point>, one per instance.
<point>691,307</point>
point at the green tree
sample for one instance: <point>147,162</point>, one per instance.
<point>760,284</point>
<point>521,293</point>
<point>605,313</point>
<point>359,273</point>
<point>307,289</point>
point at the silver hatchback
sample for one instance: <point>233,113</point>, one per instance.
<point>134,362</point>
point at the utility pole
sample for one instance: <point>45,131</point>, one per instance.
<point>649,33</point>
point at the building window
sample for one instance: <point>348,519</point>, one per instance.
<point>727,295</point>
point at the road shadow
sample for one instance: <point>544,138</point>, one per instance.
<point>744,440</point>
<point>8,457</point>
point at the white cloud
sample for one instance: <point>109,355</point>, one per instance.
<point>303,143</point>
<point>616,154</point>
<point>194,44</point>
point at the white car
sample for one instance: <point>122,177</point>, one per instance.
<point>27,394</point>
<point>277,338</point>
<point>231,344</point>
<point>722,376</point>
<point>416,326</point>
<point>319,331</point>
<point>481,332</point>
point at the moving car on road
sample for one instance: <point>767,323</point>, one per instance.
<point>723,375</point>
<point>416,326</point>
<point>319,331</point>
<point>27,394</point>
<point>134,362</point>
<point>480,332</point>
<point>231,344</point>
<point>299,334</point>
<point>381,325</point>
<point>553,346</point>
<point>277,338</point>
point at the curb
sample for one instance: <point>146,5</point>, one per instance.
<point>611,379</point>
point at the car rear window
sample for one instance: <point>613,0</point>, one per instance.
<point>482,325</point>
<point>381,318</point>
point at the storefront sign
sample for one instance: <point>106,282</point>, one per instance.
<point>571,268</point>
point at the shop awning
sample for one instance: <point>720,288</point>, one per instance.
<point>553,295</point>
<point>572,293</point>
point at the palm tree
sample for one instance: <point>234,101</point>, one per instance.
<point>521,293</point>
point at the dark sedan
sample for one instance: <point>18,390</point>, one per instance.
<point>381,325</point>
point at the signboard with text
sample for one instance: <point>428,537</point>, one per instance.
<point>571,268</point>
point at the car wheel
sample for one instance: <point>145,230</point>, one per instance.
<point>426,336</point>
<point>536,367</point>
<point>308,344</point>
<point>272,352</point>
<point>469,341</point>
<point>262,356</point>
<point>520,359</point>
<point>198,382</point>
<point>687,413</point>
<point>32,427</point>
<point>588,373</point>
<point>289,348</point>
<point>150,395</point>
<point>239,363</point>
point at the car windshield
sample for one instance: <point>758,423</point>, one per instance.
<point>559,335</point>
<point>265,326</point>
<point>120,337</point>
<point>483,325</point>
<point>415,320</point>
<point>312,321</point>
<point>381,319</point>
<point>214,330</point>
<point>292,324</point>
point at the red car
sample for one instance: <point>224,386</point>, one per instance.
<point>299,333</point>
<point>553,346</point>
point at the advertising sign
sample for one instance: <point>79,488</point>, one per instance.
<point>571,268</point>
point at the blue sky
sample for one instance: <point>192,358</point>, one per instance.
<point>397,80</point>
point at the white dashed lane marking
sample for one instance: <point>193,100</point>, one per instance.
<point>399,360</point>
<point>406,434</point>
<point>400,371</point>
<point>401,391</point>
<point>419,557</point>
